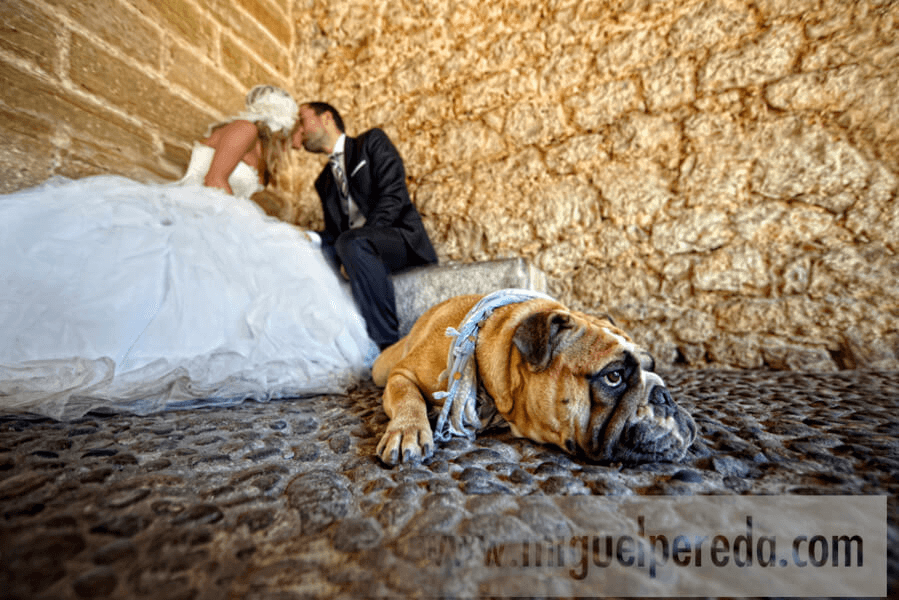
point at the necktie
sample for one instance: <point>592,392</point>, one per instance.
<point>339,175</point>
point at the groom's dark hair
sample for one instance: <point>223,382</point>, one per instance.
<point>322,107</point>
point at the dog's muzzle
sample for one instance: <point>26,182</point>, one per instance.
<point>661,401</point>
<point>659,430</point>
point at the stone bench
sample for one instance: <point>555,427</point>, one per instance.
<point>421,288</point>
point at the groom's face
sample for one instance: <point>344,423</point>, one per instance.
<point>310,133</point>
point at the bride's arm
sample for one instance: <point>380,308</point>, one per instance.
<point>234,141</point>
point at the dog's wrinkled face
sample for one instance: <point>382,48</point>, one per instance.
<point>592,391</point>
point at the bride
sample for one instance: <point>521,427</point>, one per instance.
<point>124,296</point>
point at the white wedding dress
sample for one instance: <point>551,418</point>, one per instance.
<point>118,295</point>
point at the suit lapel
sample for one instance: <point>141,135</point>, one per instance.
<point>354,157</point>
<point>330,196</point>
<point>351,158</point>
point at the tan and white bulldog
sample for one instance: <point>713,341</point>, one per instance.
<point>556,376</point>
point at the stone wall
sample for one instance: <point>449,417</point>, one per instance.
<point>125,86</point>
<point>720,175</point>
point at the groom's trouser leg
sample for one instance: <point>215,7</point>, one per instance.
<point>370,255</point>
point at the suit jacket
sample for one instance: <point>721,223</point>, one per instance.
<point>377,183</point>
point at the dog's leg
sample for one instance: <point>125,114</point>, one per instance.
<point>408,437</point>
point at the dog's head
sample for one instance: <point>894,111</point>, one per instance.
<point>582,384</point>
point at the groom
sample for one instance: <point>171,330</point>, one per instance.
<point>371,225</point>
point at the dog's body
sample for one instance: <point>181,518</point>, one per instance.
<point>556,376</point>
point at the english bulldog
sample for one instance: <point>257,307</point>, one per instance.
<point>555,375</point>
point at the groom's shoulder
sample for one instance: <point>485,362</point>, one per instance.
<point>377,143</point>
<point>374,137</point>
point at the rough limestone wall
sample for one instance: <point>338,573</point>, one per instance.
<point>125,86</point>
<point>719,175</point>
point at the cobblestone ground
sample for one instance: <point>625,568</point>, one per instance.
<point>286,499</point>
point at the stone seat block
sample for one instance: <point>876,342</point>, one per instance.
<point>420,288</point>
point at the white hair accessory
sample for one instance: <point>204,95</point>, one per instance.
<point>272,105</point>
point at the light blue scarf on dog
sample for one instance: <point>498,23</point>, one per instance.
<point>462,413</point>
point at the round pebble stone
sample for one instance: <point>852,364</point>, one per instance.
<point>100,452</point>
<point>167,507</point>
<point>45,454</point>
<point>122,525</point>
<point>119,550</point>
<point>199,514</point>
<point>550,468</point>
<point>730,467</point>
<point>604,487</point>
<point>306,452</point>
<point>481,455</point>
<point>98,583</point>
<point>412,475</point>
<point>321,497</point>
<point>437,465</point>
<point>303,425</point>
<point>394,514</point>
<point>440,486</point>
<point>262,454</point>
<point>688,476</point>
<point>378,485</point>
<point>483,486</point>
<point>353,535</point>
<point>405,492</point>
<point>257,520</point>
<point>441,499</point>
<point>339,443</point>
<point>124,498</point>
<point>563,486</point>
<point>520,476</point>
<point>25,483</point>
<point>157,465</point>
<point>473,473</point>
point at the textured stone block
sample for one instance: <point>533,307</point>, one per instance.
<point>419,289</point>
<point>30,33</point>
<point>604,103</point>
<point>74,118</point>
<point>711,24</point>
<point>83,158</point>
<point>26,157</point>
<point>669,84</point>
<point>629,51</point>
<point>204,80</point>
<point>256,34</point>
<point>769,58</point>
<point>273,19</point>
<point>134,91</point>
<point>239,63</point>
<point>118,25</point>
<point>181,17</point>
<point>732,269</point>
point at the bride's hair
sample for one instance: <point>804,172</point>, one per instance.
<point>274,146</point>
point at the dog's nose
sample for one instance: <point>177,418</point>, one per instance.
<point>661,401</point>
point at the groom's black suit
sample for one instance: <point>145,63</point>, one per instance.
<point>392,237</point>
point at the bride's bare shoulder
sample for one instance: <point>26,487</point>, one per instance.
<point>237,132</point>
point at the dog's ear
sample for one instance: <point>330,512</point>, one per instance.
<point>540,335</point>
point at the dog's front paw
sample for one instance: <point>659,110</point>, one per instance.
<point>405,443</point>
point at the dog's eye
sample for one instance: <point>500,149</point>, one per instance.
<point>613,379</point>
